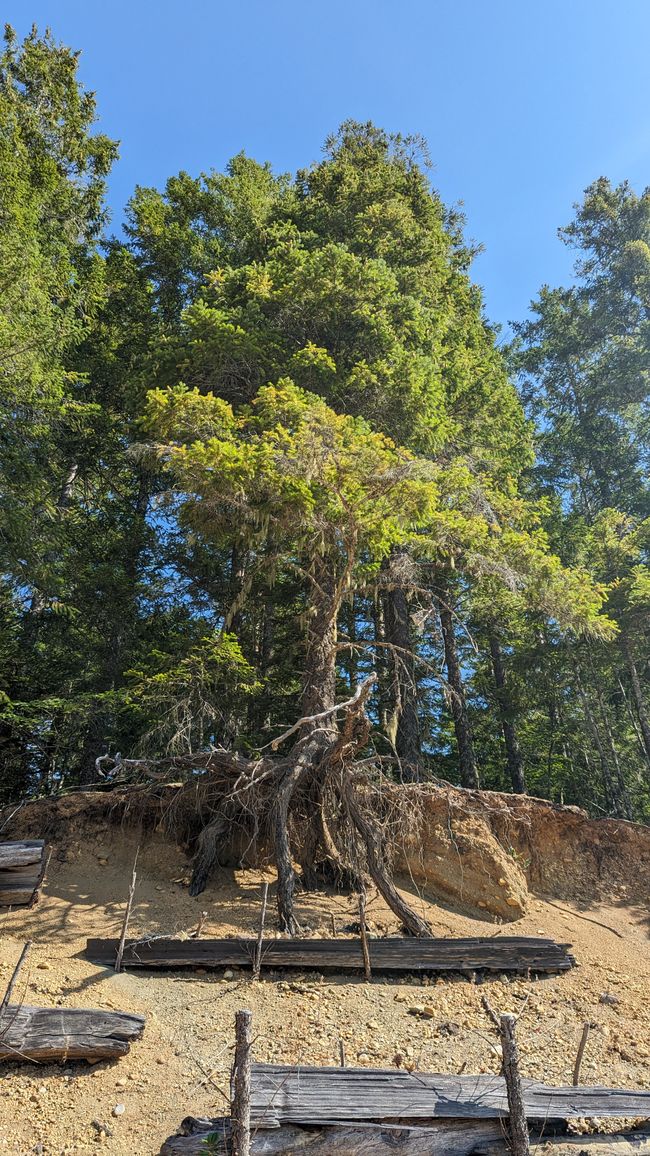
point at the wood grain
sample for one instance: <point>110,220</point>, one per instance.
<point>507,953</point>
<point>39,1033</point>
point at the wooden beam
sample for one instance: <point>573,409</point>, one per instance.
<point>283,1094</point>
<point>22,866</point>
<point>507,953</point>
<point>39,1033</point>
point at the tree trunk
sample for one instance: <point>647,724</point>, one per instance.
<point>405,729</point>
<point>467,764</point>
<point>318,694</point>
<point>513,752</point>
<point>637,691</point>
<point>319,678</point>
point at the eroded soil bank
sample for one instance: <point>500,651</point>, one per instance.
<point>554,855</point>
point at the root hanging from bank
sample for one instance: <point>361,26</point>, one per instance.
<point>311,806</point>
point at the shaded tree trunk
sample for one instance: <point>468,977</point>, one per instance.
<point>513,751</point>
<point>467,764</point>
<point>637,692</point>
<point>405,722</point>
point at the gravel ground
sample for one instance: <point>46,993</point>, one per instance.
<point>128,1107</point>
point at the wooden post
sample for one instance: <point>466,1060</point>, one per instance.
<point>364,933</point>
<point>581,1052</point>
<point>257,960</point>
<point>240,1107</point>
<point>341,1053</point>
<point>6,999</point>
<point>519,1139</point>
<point>127,916</point>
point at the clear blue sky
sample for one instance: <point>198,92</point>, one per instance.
<point>523,102</point>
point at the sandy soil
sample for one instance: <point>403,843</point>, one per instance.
<point>181,1065</point>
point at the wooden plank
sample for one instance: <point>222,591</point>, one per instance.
<point>22,864</point>
<point>21,853</point>
<point>300,1095</point>
<point>446,1138</point>
<point>508,953</point>
<point>38,1033</point>
<point>15,895</point>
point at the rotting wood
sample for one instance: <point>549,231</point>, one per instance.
<point>284,1094</point>
<point>453,1138</point>
<point>22,867</point>
<point>50,1034</point>
<point>445,1138</point>
<point>506,954</point>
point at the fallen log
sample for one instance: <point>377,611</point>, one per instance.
<point>448,1138</point>
<point>22,866</point>
<point>514,953</point>
<point>50,1034</point>
<point>283,1094</point>
<point>456,1137</point>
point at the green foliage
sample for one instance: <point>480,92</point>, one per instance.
<point>231,438</point>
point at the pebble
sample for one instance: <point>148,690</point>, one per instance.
<point>118,1110</point>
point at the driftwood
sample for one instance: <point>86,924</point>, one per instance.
<point>507,953</point>
<point>39,1033</point>
<point>284,1094</point>
<point>22,866</point>
<point>446,1138</point>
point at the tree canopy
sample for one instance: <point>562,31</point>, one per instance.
<point>265,443</point>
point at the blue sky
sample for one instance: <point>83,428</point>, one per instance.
<point>523,102</point>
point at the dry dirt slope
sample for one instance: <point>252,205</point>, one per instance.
<point>181,1064</point>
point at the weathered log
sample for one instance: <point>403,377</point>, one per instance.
<point>22,865</point>
<point>39,1033</point>
<point>446,1138</point>
<point>283,1094</point>
<point>507,953</point>
<point>454,1137</point>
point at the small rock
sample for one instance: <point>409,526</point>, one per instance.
<point>608,998</point>
<point>44,966</point>
<point>118,1110</point>
<point>228,974</point>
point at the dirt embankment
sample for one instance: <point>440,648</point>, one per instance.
<point>489,851</point>
<point>598,871</point>
<point>483,852</point>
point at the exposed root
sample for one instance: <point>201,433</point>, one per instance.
<point>310,806</point>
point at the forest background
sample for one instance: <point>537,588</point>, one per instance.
<point>265,442</point>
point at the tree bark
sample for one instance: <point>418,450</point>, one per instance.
<point>467,764</point>
<point>637,692</point>
<point>513,751</point>
<point>405,728</point>
<point>518,1127</point>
